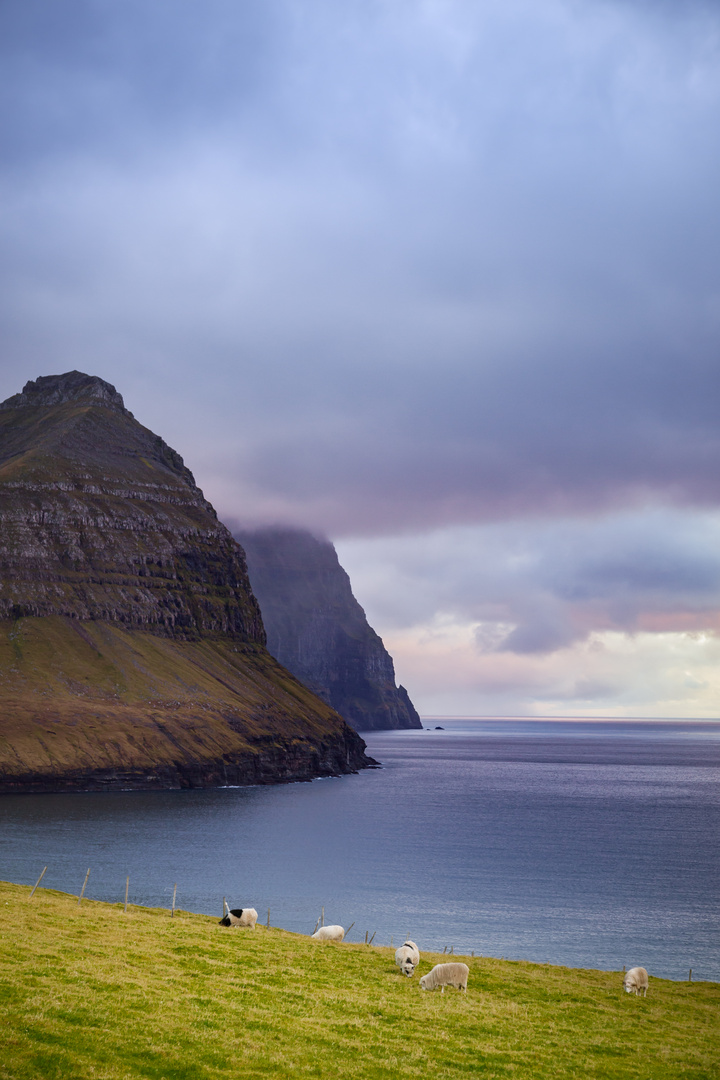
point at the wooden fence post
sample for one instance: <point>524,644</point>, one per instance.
<point>82,891</point>
<point>172,913</point>
<point>37,882</point>
<point>127,886</point>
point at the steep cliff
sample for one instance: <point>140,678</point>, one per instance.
<point>317,629</point>
<point>132,650</point>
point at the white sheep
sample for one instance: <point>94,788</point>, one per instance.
<point>635,980</point>
<point>329,933</point>
<point>443,975</point>
<point>239,917</point>
<point>407,958</point>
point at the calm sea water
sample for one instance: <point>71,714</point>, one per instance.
<point>591,844</point>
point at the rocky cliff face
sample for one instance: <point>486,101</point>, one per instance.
<point>316,628</point>
<point>102,520</point>
<point>131,645</point>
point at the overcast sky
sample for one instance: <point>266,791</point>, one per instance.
<point>438,279</point>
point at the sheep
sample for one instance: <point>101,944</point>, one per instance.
<point>443,975</point>
<point>636,980</point>
<point>407,958</point>
<point>239,917</point>
<point>329,933</point>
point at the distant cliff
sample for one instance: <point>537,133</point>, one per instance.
<point>132,651</point>
<point>316,628</point>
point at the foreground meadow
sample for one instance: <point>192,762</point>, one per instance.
<point>91,992</point>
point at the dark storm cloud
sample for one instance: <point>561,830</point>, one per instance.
<point>379,266</point>
<point>88,74</point>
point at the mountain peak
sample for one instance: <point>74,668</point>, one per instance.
<point>73,386</point>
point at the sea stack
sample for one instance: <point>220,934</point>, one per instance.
<point>317,629</point>
<point>132,649</point>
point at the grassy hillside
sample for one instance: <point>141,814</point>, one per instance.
<point>83,699</point>
<point>91,992</point>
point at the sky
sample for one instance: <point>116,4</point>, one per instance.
<point>439,280</point>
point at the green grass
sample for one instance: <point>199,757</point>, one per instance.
<point>90,992</point>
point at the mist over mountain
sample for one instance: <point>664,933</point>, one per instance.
<point>316,628</point>
<point>132,650</point>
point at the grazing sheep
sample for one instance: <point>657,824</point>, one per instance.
<point>239,917</point>
<point>636,980</point>
<point>443,975</point>
<point>329,933</point>
<point>407,958</point>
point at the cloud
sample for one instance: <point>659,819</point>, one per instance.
<point>411,264</point>
<point>548,583</point>
<point>551,615</point>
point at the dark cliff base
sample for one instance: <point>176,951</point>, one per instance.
<point>275,764</point>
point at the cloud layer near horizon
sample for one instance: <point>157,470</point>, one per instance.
<point>395,269</point>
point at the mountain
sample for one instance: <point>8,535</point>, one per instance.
<point>132,650</point>
<point>317,629</point>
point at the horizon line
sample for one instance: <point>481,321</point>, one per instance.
<point>618,719</point>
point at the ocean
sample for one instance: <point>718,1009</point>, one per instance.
<point>583,843</point>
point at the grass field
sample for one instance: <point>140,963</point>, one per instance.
<point>91,992</point>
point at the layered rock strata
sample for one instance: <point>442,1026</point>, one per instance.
<point>317,629</point>
<point>132,650</point>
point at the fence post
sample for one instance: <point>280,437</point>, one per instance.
<point>172,912</point>
<point>82,891</point>
<point>37,883</point>
<point>127,886</point>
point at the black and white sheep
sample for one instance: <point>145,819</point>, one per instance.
<point>329,933</point>
<point>635,980</point>
<point>407,958</point>
<point>443,975</point>
<point>239,917</point>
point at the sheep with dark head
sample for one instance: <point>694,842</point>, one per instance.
<point>239,917</point>
<point>407,958</point>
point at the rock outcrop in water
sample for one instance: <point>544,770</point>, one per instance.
<point>317,629</point>
<point>132,650</point>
